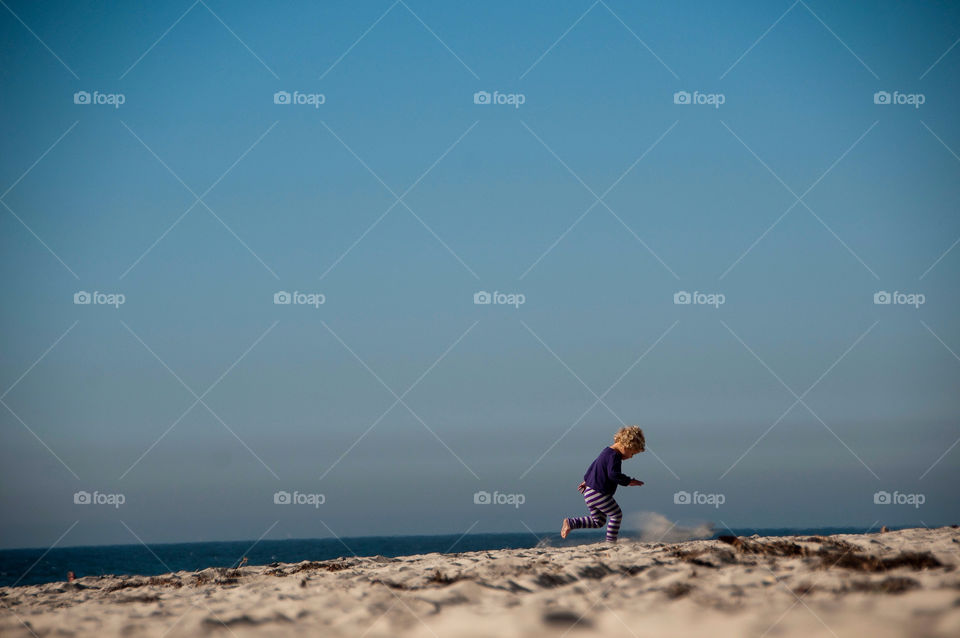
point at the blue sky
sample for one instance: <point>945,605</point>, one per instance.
<point>597,199</point>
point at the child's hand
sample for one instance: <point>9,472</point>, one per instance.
<point>582,487</point>
<point>635,482</point>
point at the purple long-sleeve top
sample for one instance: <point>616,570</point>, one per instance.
<point>604,473</point>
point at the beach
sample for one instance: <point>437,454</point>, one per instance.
<point>895,583</point>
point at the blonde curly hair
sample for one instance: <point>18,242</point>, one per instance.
<point>630,438</point>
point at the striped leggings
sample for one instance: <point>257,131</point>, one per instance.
<point>602,506</point>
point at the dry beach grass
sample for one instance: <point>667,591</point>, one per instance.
<point>892,584</point>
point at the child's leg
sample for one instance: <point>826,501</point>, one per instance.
<point>613,525</point>
<point>605,505</point>
<point>596,519</point>
<point>597,516</point>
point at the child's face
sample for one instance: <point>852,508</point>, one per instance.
<point>630,453</point>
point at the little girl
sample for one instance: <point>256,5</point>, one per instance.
<point>601,480</point>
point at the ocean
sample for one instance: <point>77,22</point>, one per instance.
<point>40,565</point>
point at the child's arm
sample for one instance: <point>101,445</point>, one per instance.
<point>614,472</point>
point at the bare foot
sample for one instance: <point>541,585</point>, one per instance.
<point>565,528</point>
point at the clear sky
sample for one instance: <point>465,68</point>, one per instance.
<point>593,190</point>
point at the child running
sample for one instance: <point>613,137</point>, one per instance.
<point>601,480</point>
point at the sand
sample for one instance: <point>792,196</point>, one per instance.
<point>901,583</point>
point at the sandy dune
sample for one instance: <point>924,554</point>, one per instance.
<point>893,584</point>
